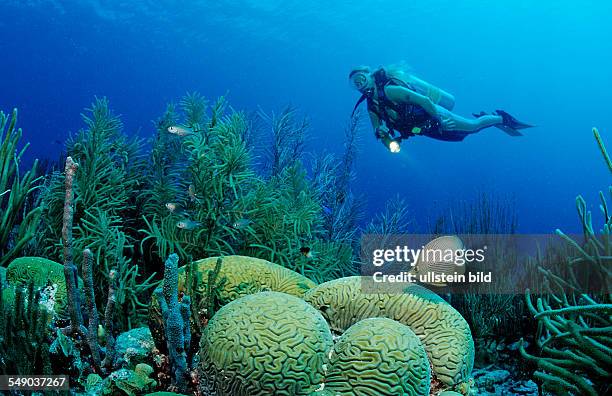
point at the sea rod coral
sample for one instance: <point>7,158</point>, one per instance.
<point>176,321</point>
<point>575,314</point>
<point>73,292</point>
<point>18,216</point>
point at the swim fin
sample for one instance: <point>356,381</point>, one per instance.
<point>505,127</point>
<point>508,130</point>
<point>512,122</point>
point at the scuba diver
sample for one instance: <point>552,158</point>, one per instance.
<point>401,103</point>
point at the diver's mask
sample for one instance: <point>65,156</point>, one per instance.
<point>361,81</point>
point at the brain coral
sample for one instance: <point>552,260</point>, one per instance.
<point>379,357</point>
<point>243,276</point>
<point>41,272</point>
<point>267,343</point>
<point>442,330</point>
<point>8,299</point>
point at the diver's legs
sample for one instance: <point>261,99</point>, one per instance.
<point>459,123</point>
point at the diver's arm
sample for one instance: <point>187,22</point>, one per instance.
<point>377,124</point>
<point>404,95</point>
<point>374,120</point>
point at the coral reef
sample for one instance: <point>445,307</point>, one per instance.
<point>105,188</point>
<point>442,330</point>
<point>235,206</point>
<point>238,276</point>
<point>574,336</point>
<point>100,207</point>
<point>19,217</point>
<point>378,357</point>
<point>233,322</point>
<point>75,327</point>
<point>262,344</point>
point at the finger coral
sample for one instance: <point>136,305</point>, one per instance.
<point>263,344</point>
<point>442,330</point>
<point>379,357</point>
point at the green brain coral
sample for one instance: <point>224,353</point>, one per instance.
<point>249,275</point>
<point>41,272</point>
<point>444,333</point>
<point>263,344</point>
<point>239,276</point>
<point>379,357</point>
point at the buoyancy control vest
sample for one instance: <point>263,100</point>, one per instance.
<point>411,119</point>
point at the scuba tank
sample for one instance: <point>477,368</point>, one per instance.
<point>438,96</point>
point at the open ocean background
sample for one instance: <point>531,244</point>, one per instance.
<point>548,63</point>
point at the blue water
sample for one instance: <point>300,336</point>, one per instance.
<point>546,62</point>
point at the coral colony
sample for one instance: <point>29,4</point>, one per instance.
<point>192,265</point>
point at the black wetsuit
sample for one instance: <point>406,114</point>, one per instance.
<point>411,119</point>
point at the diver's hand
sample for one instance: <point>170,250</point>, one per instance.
<point>381,131</point>
<point>448,124</point>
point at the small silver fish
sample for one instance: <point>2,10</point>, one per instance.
<point>180,130</point>
<point>240,224</point>
<point>171,206</point>
<point>175,208</point>
<point>192,194</point>
<point>188,224</point>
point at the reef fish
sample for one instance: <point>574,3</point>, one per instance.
<point>188,224</point>
<point>192,194</point>
<point>175,208</point>
<point>306,252</point>
<point>241,224</point>
<point>438,257</point>
<point>180,130</point>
